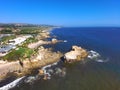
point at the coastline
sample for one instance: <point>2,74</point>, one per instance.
<point>83,72</point>
<point>48,57</point>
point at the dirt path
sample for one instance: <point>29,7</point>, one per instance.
<point>37,44</point>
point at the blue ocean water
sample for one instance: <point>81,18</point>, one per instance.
<point>91,75</point>
<point>105,40</point>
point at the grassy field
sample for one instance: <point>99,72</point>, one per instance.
<point>20,54</point>
<point>7,38</point>
<point>22,51</point>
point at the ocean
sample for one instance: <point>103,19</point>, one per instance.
<point>98,74</point>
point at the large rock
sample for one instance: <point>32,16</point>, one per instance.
<point>76,54</point>
<point>54,40</point>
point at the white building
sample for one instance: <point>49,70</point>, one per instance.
<point>4,49</point>
<point>19,40</point>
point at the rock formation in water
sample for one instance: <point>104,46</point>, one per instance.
<point>76,54</point>
<point>54,40</point>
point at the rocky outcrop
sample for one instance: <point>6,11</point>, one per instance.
<point>44,57</point>
<point>54,40</point>
<point>42,42</point>
<point>76,54</point>
<point>37,44</point>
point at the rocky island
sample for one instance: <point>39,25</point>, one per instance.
<point>76,54</point>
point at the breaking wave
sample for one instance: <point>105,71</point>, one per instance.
<point>93,55</point>
<point>12,84</point>
<point>49,71</point>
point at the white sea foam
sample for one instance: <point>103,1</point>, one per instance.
<point>55,63</point>
<point>65,41</point>
<point>30,79</point>
<point>48,72</point>
<point>48,66</point>
<point>93,54</point>
<point>12,84</point>
<point>56,71</point>
<point>102,60</point>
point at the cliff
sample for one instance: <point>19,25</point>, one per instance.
<point>20,68</point>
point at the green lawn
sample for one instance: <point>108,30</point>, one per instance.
<point>19,54</point>
<point>7,38</point>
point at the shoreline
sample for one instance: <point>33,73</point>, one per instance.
<point>47,57</point>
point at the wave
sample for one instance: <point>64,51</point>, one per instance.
<point>65,41</point>
<point>52,69</point>
<point>49,71</point>
<point>31,79</point>
<point>12,84</point>
<point>93,55</point>
<point>102,60</point>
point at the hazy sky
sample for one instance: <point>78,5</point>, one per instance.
<point>61,12</point>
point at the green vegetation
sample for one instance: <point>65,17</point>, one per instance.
<point>29,40</point>
<point>19,54</point>
<point>7,38</point>
<point>5,31</point>
<point>16,25</point>
<point>23,51</point>
<point>7,25</point>
<point>22,28</point>
<point>28,31</point>
<point>32,30</point>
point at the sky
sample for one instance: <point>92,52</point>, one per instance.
<point>61,12</point>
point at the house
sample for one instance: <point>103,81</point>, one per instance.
<point>19,40</point>
<point>4,49</point>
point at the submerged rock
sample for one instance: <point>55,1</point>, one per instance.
<point>47,76</point>
<point>76,54</point>
<point>41,72</point>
